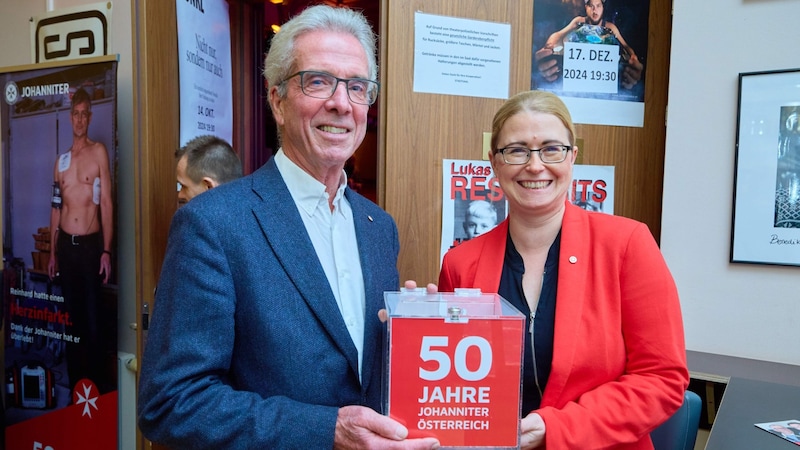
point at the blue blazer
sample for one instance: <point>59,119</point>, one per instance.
<point>247,348</point>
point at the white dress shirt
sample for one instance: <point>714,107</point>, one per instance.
<point>334,237</point>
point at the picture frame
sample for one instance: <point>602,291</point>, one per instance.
<point>766,195</point>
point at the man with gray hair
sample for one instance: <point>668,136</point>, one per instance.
<point>265,330</point>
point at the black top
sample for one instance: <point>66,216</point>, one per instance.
<point>540,341</point>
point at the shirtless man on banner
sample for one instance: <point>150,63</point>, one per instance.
<point>80,236</point>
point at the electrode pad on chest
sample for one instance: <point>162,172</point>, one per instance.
<point>64,161</point>
<point>96,191</point>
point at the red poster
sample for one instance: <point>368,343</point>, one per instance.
<point>457,381</point>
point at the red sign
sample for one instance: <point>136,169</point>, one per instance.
<point>90,422</point>
<point>457,381</point>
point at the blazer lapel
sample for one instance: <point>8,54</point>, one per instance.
<point>285,234</point>
<point>488,270</point>
<point>573,264</point>
<point>372,287</point>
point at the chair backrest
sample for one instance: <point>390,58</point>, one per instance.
<point>679,432</point>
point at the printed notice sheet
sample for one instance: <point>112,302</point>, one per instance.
<point>456,56</point>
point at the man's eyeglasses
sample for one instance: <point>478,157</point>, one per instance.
<point>551,154</point>
<point>323,85</point>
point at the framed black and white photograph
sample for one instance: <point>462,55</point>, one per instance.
<point>766,201</point>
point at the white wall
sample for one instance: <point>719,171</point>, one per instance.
<point>16,51</point>
<point>742,310</point>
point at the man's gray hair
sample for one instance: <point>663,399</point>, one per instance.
<point>280,60</point>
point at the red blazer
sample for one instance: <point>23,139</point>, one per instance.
<point>619,356</point>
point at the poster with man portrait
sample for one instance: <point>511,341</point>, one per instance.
<point>59,173</point>
<point>593,54</point>
<point>472,201</point>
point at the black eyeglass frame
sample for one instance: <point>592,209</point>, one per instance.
<point>564,150</point>
<point>346,82</point>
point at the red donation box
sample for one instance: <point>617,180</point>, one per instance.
<point>454,366</point>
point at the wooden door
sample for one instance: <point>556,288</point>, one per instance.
<point>156,136</point>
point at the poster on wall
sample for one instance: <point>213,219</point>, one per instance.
<point>593,188</point>
<point>59,282</point>
<point>204,69</point>
<point>456,56</point>
<point>473,201</point>
<point>766,194</point>
<point>593,54</point>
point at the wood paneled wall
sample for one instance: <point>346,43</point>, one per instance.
<point>418,130</point>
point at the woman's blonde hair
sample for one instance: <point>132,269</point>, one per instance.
<point>532,101</point>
